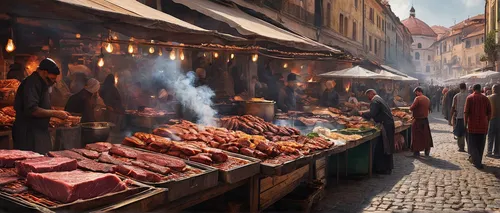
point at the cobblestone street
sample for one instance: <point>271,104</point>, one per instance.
<point>446,181</point>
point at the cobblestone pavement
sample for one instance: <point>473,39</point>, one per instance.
<point>446,181</point>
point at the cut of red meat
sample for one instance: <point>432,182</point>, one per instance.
<point>67,187</point>
<point>68,154</point>
<point>106,158</point>
<point>99,146</point>
<point>7,180</point>
<point>94,166</point>
<point>151,167</point>
<point>163,160</point>
<point>45,164</point>
<point>9,157</point>
<point>87,153</point>
<point>138,173</point>
<point>123,151</point>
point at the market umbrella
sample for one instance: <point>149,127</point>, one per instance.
<point>391,76</point>
<point>356,72</point>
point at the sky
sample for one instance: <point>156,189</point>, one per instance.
<point>438,12</point>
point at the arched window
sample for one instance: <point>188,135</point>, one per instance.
<point>417,56</point>
<point>419,45</point>
<point>428,58</point>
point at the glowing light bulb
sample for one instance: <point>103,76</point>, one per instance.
<point>109,48</point>
<point>10,46</point>
<point>78,35</point>
<point>232,56</point>
<point>116,79</point>
<point>181,55</point>
<point>130,49</point>
<point>285,65</point>
<point>204,55</point>
<point>100,63</point>
<point>151,50</point>
<point>172,55</point>
<point>255,57</point>
<point>216,55</point>
<point>160,53</point>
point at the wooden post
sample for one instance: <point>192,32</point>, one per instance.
<point>254,192</point>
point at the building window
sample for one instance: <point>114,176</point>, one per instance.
<point>328,13</point>
<point>417,56</point>
<point>428,58</point>
<point>354,31</point>
<point>383,25</point>
<point>378,22</point>
<point>477,41</point>
<point>356,4</point>
<point>427,68</point>
<point>419,45</point>
<point>467,44</point>
<point>341,24</point>
<point>370,42</point>
<point>376,45</point>
<point>482,40</point>
<point>346,26</point>
<point>372,15</point>
<point>444,47</point>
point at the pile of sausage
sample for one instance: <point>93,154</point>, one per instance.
<point>257,126</point>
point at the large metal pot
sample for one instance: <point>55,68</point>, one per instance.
<point>95,132</point>
<point>265,110</point>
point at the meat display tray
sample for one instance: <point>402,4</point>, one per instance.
<point>237,174</point>
<point>184,186</point>
<point>148,122</point>
<point>268,169</point>
<point>19,202</point>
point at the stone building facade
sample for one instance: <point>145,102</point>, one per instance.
<point>492,19</point>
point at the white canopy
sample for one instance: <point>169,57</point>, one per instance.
<point>356,72</point>
<point>481,75</point>
<point>391,76</point>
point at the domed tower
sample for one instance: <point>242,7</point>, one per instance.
<point>423,38</point>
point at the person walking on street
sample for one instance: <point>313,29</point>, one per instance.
<point>477,114</point>
<point>493,148</point>
<point>421,139</point>
<point>384,147</point>
<point>457,114</point>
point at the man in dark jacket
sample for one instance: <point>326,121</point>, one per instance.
<point>33,109</point>
<point>383,148</point>
<point>330,97</point>
<point>84,101</point>
<point>287,97</point>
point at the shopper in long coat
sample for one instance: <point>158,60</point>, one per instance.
<point>421,139</point>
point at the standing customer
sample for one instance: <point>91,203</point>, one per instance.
<point>494,130</point>
<point>457,113</point>
<point>33,109</point>
<point>477,114</point>
<point>384,147</point>
<point>421,139</point>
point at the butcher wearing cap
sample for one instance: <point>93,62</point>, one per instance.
<point>287,100</point>
<point>33,109</point>
<point>84,101</point>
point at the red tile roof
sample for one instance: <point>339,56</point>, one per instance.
<point>418,27</point>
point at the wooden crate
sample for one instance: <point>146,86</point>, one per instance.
<point>274,188</point>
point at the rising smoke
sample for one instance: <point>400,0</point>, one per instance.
<point>196,99</point>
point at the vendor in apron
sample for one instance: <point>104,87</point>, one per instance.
<point>33,109</point>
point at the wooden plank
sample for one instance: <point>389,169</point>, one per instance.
<point>320,173</point>
<point>286,185</point>
<point>186,202</point>
<point>266,183</point>
<point>320,163</point>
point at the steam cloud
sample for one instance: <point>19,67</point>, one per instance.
<point>197,99</point>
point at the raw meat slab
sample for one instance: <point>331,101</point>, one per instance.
<point>45,164</point>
